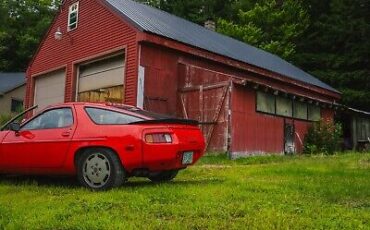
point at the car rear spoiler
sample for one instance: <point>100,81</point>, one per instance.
<point>169,121</point>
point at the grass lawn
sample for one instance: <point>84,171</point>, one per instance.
<point>255,193</point>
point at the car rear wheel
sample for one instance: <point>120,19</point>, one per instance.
<point>164,176</point>
<point>100,169</point>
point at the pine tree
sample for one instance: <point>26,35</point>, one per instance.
<point>274,26</point>
<point>336,48</point>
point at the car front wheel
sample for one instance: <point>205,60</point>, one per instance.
<point>164,176</point>
<point>100,169</point>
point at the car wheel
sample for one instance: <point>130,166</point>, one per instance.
<point>164,176</point>
<point>100,169</point>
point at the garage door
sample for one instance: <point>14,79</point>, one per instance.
<point>102,81</point>
<point>49,89</point>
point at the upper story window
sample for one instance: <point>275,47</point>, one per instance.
<point>73,16</point>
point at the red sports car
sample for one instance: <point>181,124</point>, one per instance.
<point>103,144</point>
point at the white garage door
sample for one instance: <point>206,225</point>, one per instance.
<point>101,74</point>
<point>49,89</point>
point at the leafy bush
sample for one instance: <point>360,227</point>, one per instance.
<point>323,137</point>
<point>4,118</point>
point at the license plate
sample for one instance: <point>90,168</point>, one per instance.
<point>187,158</point>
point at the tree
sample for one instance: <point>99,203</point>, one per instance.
<point>22,24</point>
<point>274,26</point>
<point>197,11</point>
<point>336,48</point>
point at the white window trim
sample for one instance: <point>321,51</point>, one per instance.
<point>70,11</point>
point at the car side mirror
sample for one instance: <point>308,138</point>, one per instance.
<point>15,126</point>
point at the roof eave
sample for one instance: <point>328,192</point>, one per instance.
<point>334,94</point>
<point>13,88</point>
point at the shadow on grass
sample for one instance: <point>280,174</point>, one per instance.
<point>195,182</point>
<point>17,180</point>
<point>71,182</point>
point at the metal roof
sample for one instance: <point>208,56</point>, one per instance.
<point>149,19</point>
<point>10,81</point>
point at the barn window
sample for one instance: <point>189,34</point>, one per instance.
<point>73,16</point>
<point>314,113</point>
<point>300,110</point>
<point>284,107</point>
<point>265,103</point>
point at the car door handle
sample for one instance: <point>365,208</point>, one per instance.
<point>66,134</point>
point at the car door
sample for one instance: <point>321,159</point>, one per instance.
<point>42,142</point>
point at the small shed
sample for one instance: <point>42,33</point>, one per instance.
<point>356,128</point>
<point>248,101</point>
<point>12,92</point>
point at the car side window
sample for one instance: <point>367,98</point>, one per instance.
<point>108,117</point>
<point>52,119</point>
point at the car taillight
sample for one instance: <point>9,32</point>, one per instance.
<point>158,138</point>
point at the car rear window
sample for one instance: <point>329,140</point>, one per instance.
<point>146,113</point>
<point>109,117</point>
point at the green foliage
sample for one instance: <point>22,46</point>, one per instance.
<point>300,192</point>
<point>274,26</point>
<point>22,26</point>
<point>197,11</point>
<point>336,48</point>
<point>323,137</point>
<point>4,118</point>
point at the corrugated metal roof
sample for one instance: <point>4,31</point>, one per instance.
<point>10,81</point>
<point>161,23</point>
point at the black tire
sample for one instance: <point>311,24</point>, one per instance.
<point>100,169</point>
<point>164,176</point>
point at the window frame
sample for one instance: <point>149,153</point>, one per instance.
<point>291,107</point>
<point>109,110</point>
<point>294,101</point>
<point>70,12</point>
<point>309,118</point>
<point>51,109</point>
<point>15,100</point>
<point>260,111</point>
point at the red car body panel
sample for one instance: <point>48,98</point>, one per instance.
<point>53,151</point>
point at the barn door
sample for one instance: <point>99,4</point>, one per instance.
<point>102,80</point>
<point>49,89</point>
<point>208,104</point>
<point>289,131</point>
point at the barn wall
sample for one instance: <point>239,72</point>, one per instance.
<point>253,133</point>
<point>165,78</point>
<point>256,133</point>
<point>99,31</point>
<point>248,132</point>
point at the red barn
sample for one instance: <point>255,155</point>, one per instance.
<point>247,100</point>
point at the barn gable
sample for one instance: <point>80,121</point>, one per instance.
<point>99,34</point>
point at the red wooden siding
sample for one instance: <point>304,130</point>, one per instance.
<point>180,80</point>
<point>168,72</point>
<point>252,132</point>
<point>99,31</point>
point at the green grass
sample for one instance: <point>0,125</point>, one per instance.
<point>272,192</point>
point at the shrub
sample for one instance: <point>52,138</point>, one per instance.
<point>323,137</point>
<point>4,118</point>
